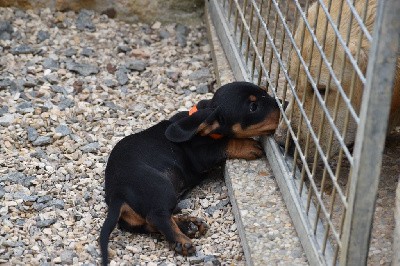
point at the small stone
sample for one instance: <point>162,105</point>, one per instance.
<point>136,65</point>
<point>67,257</point>
<point>42,140</point>
<point>156,25</point>
<point>164,34</point>
<point>52,78</point>
<point>58,89</point>
<point>3,110</point>
<point>63,130</point>
<point>91,147</point>
<point>25,107</point>
<point>18,178</point>
<point>5,30</point>
<point>201,74</point>
<point>42,36</point>
<point>202,89</point>
<point>6,120</point>
<point>185,204</point>
<point>49,63</point>
<point>23,49</point>
<point>87,51</point>
<point>30,82</point>
<point>82,68</point>
<point>123,49</point>
<point>110,83</point>
<point>5,83</point>
<point>58,203</point>
<point>39,154</point>
<point>24,197</point>
<point>45,222</point>
<point>2,192</point>
<point>32,133</point>
<point>70,52</point>
<point>121,77</point>
<point>111,68</point>
<point>84,21</point>
<point>65,103</point>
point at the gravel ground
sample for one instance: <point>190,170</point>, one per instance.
<point>71,86</point>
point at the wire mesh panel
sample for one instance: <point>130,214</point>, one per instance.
<point>313,57</point>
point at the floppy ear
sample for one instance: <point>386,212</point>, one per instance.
<point>204,121</point>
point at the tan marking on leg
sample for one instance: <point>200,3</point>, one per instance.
<point>130,216</point>
<point>248,149</point>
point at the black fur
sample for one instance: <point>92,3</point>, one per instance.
<point>149,171</point>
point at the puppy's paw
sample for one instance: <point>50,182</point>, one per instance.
<point>191,226</point>
<point>248,149</point>
<point>184,248</point>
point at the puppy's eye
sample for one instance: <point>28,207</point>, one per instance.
<point>253,107</point>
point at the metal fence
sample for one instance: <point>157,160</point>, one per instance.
<point>333,61</point>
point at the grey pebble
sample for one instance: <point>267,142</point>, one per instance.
<point>121,77</point>
<point>67,256</point>
<point>91,147</point>
<point>113,106</point>
<point>201,74</point>
<point>18,178</point>
<point>25,107</point>
<point>42,140</point>
<point>2,192</point>
<point>58,89</point>
<point>185,204</point>
<point>45,222</point>
<point>91,249</point>
<point>3,110</point>
<point>82,68</point>
<point>220,205</point>
<point>110,83</point>
<point>123,49</point>
<point>6,120</point>
<point>136,65</point>
<point>44,199</point>
<point>65,103</point>
<point>32,133</point>
<point>42,36</point>
<point>5,83</point>
<point>52,78</point>
<point>202,89</point>
<point>39,154</point>
<point>84,21</point>
<point>49,63</point>
<point>30,82</point>
<point>23,49</point>
<point>164,34</point>
<point>87,51</point>
<point>70,52</point>
<point>6,30</point>
<point>24,197</point>
<point>63,130</point>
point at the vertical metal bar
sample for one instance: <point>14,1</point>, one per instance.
<point>371,134</point>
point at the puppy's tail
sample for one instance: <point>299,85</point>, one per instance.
<point>109,224</point>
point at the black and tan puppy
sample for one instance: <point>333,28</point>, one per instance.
<point>148,172</point>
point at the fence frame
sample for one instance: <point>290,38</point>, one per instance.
<point>369,143</point>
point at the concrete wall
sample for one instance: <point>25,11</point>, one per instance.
<point>149,11</point>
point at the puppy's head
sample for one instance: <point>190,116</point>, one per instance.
<point>238,109</point>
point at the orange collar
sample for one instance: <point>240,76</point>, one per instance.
<point>213,136</point>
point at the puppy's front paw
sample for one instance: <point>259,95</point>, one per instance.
<point>248,149</point>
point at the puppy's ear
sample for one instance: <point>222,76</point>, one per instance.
<point>203,122</point>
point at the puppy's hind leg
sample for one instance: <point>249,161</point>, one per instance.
<point>109,224</point>
<point>166,224</point>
